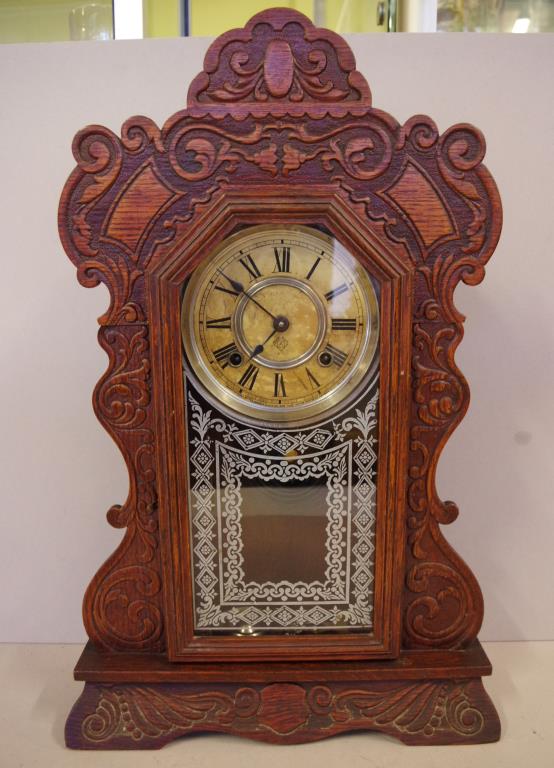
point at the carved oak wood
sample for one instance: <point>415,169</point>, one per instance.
<point>431,712</point>
<point>279,112</point>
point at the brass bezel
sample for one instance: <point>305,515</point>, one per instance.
<point>291,415</point>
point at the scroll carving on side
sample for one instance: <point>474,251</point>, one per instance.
<point>443,601</point>
<point>122,607</point>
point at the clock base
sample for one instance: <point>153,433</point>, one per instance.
<point>144,702</point>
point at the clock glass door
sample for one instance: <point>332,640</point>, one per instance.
<point>280,331</point>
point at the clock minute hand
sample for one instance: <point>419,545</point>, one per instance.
<point>239,287</point>
<point>260,305</point>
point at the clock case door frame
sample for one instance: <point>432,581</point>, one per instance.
<point>273,205</point>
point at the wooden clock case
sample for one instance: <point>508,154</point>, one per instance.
<point>279,128</point>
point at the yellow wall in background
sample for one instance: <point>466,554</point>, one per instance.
<point>162,18</point>
<point>36,21</point>
<point>212,17</point>
<point>48,20</point>
<point>344,16</point>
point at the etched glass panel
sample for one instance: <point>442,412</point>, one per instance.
<point>282,522</point>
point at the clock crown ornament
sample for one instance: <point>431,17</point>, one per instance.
<point>280,63</point>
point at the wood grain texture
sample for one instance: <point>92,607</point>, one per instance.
<point>97,667</point>
<point>426,712</point>
<point>278,128</point>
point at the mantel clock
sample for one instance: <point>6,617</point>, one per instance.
<point>281,259</point>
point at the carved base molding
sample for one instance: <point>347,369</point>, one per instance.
<point>448,710</point>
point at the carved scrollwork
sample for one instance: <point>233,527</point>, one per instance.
<point>198,157</point>
<point>138,132</point>
<point>278,74</point>
<point>258,65</point>
<point>438,390</point>
<point>423,708</point>
<point>129,583</point>
<point>443,600</point>
<point>433,712</point>
<point>460,150</point>
<point>356,155</point>
<point>443,603</point>
<point>98,153</point>
<point>99,158</point>
<point>123,396</point>
<point>425,622</point>
<point>419,131</point>
<point>137,712</point>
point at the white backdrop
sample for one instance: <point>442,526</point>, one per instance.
<point>59,470</point>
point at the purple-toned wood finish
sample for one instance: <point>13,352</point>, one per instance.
<point>279,127</point>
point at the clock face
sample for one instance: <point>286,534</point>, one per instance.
<point>280,323</point>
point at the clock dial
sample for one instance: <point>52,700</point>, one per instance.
<point>280,323</point>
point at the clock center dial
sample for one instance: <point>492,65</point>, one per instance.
<point>284,327</point>
<point>280,323</point>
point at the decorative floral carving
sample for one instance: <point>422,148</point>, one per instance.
<point>130,580</point>
<point>138,712</point>
<point>444,604</point>
<point>278,74</point>
<point>364,151</point>
<point>355,152</point>
<point>123,395</point>
<point>198,157</point>
<point>259,65</point>
<point>424,708</point>
<point>434,712</point>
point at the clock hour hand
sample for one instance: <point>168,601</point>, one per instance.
<point>235,285</point>
<point>259,348</point>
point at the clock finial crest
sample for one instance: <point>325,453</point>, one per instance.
<point>305,71</point>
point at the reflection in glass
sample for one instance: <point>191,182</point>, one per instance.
<point>91,22</point>
<point>495,16</point>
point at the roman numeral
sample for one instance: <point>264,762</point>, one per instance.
<point>343,324</point>
<point>314,382</point>
<point>330,295</point>
<point>226,290</point>
<point>337,355</point>
<point>249,376</point>
<point>250,266</point>
<point>314,267</point>
<point>279,386</point>
<point>219,322</point>
<point>223,353</point>
<point>282,259</point>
